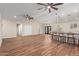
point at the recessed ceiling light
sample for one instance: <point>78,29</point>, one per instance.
<point>14,16</point>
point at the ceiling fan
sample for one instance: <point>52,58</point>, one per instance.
<point>49,6</point>
<point>28,17</point>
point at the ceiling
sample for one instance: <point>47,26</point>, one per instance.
<point>66,12</point>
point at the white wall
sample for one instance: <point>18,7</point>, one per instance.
<point>65,27</point>
<point>9,29</point>
<point>0,31</point>
<point>36,28</point>
<point>42,29</point>
<point>27,30</point>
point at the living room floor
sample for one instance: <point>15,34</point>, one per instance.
<point>37,45</point>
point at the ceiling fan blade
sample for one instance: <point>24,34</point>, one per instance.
<point>41,4</point>
<point>49,10</point>
<point>54,8</point>
<point>48,3</point>
<point>51,4</point>
<point>56,4</point>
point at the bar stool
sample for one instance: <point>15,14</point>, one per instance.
<point>70,38</point>
<point>52,34</point>
<point>76,39</point>
<point>56,36</point>
<point>62,37</point>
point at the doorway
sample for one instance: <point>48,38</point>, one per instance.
<point>47,29</point>
<point>19,29</point>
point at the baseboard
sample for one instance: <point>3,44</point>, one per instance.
<point>9,37</point>
<point>32,35</point>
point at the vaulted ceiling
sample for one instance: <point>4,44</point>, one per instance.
<point>66,12</point>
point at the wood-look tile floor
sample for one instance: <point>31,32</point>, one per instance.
<point>37,45</point>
